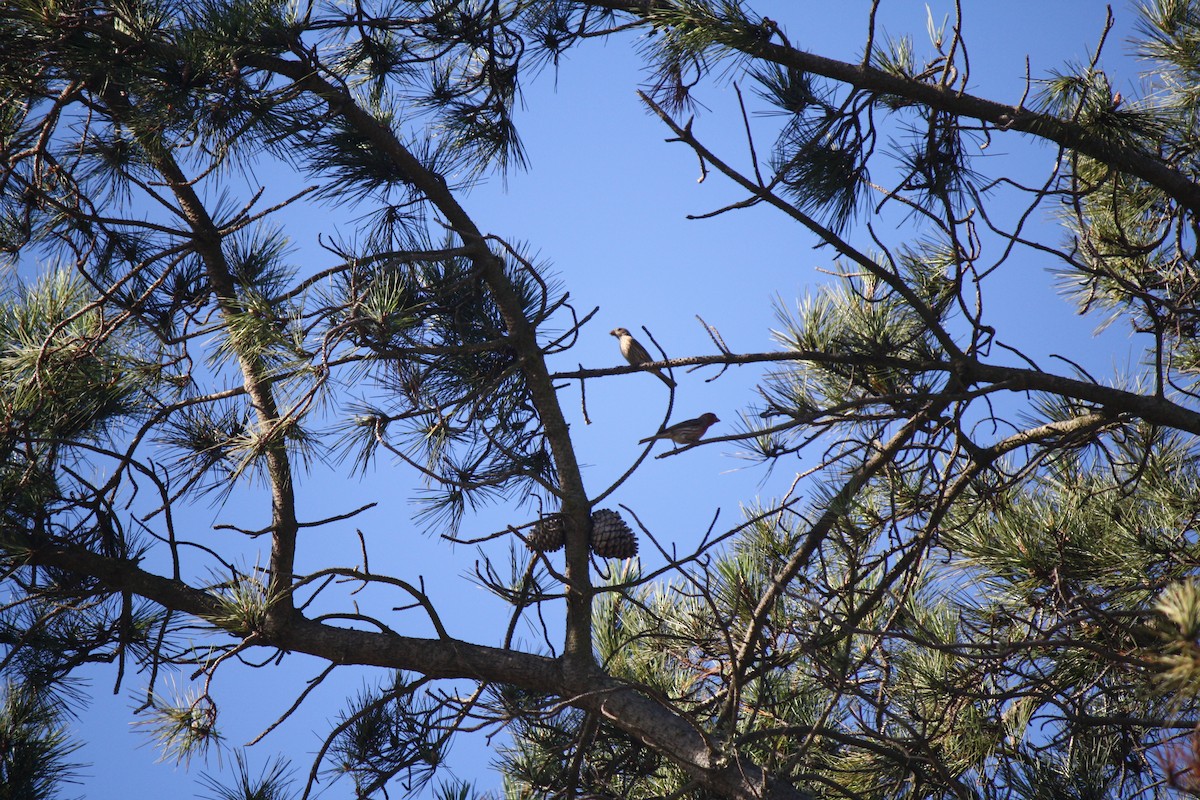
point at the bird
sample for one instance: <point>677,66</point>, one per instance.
<point>635,354</point>
<point>687,432</point>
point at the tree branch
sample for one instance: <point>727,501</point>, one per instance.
<point>1072,135</point>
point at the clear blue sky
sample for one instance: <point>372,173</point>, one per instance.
<point>604,201</point>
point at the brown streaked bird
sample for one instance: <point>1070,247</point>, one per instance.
<point>687,432</point>
<point>636,355</point>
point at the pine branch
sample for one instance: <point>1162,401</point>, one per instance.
<point>940,97</point>
<point>522,337</point>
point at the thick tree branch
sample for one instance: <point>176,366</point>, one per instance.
<point>1151,408</point>
<point>207,239</point>
<point>578,646</point>
<point>1071,135</point>
<point>624,707</point>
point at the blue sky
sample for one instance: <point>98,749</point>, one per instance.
<point>604,202</point>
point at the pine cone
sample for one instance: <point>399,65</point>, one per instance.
<point>547,535</point>
<point>611,537</point>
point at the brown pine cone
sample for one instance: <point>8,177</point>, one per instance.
<point>548,534</point>
<point>611,537</point>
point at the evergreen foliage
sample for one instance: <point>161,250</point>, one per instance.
<point>986,586</point>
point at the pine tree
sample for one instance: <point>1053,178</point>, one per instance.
<point>986,588</point>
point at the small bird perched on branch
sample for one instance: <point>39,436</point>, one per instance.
<point>687,432</point>
<point>635,354</point>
